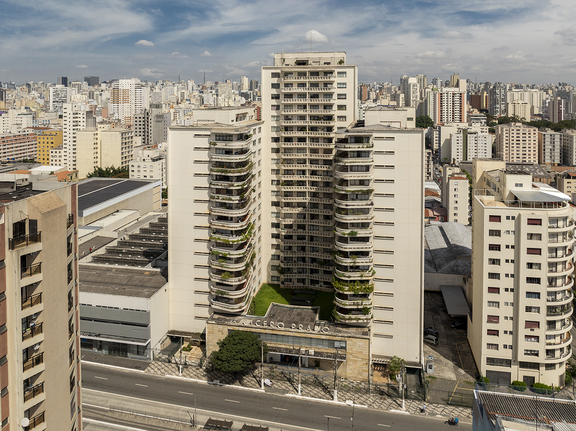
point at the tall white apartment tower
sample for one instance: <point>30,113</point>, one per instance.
<point>306,98</point>
<point>75,117</point>
<point>455,192</point>
<point>522,277</point>
<point>128,97</point>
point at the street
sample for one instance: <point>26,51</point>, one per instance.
<point>218,402</point>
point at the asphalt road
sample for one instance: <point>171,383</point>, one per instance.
<point>244,404</point>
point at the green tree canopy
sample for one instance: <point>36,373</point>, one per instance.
<point>395,365</point>
<point>424,121</point>
<point>237,352</point>
<point>109,172</point>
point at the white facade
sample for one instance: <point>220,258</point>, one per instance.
<point>127,98</point>
<point>455,193</point>
<point>519,109</point>
<point>516,142</point>
<point>569,147</point>
<point>59,95</point>
<point>448,105</point>
<point>149,163</point>
<point>549,147</point>
<point>75,117</point>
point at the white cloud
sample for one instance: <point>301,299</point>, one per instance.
<point>315,37</point>
<point>144,43</point>
<point>206,54</point>
<point>431,54</point>
<point>176,54</point>
<point>81,66</point>
<point>153,73</point>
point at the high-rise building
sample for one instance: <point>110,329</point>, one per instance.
<point>517,142</point>
<point>103,148</point>
<point>549,147</point>
<point>39,342</point>
<point>59,95</point>
<point>569,147</point>
<point>448,105</point>
<point>149,163</point>
<point>522,278</point>
<point>127,98</point>
<point>47,140</point>
<point>519,109</point>
<point>497,100</point>
<point>468,144</point>
<point>244,84</point>
<point>75,117</point>
<point>62,80</point>
<point>455,192</point>
<point>18,146</point>
<point>92,80</point>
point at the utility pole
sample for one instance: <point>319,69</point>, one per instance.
<point>402,383</point>
<point>180,362</point>
<point>335,374</point>
<point>262,364</point>
<point>299,361</point>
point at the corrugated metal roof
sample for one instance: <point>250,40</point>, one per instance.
<point>455,301</point>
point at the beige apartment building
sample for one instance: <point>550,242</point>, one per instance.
<point>521,277</point>
<point>102,148</point>
<point>569,147</point>
<point>566,183</point>
<point>39,342</point>
<point>549,147</point>
<point>455,193</point>
<point>516,142</point>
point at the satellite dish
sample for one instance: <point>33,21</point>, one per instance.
<point>25,422</point>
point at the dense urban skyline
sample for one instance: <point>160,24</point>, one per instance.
<point>488,40</point>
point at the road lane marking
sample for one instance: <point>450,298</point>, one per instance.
<point>101,378</point>
<point>231,401</point>
<point>279,408</point>
<point>186,393</point>
<point>138,384</point>
<point>383,425</point>
<point>331,417</point>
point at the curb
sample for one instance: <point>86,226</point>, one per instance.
<point>111,366</point>
<point>341,403</point>
<point>209,383</point>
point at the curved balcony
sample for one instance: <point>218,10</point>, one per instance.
<point>231,182</point>
<point>352,243</point>
<point>232,156</point>
<point>561,225</point>
<point>560,255</point>
<point>342,188</point>
<point>226,277</point>
<point>562,341</point>
<point>347,215</point>
<point>346,173</point>
<point>357,230</point>
<point>352,317</point>
<point>312,89</point>
<point>329,78</point>
<point>231,250</point>
<point>353,301</point>
<point>354,142</point>
<point>560,271</point>
<point>560,299</point>
<point>228,306</point>
<point>355,274</point>
<point>297,100</point>
<point>560,285</point>
<point>355,203</point>
<point>220,168</point>
<point>558,357</point>
<point>566,326</point>
<point>226,265</point>
<point>349,288</point>
<point>558,311</point>
<point>340,258</point>
<point>245,141</point>
<point>230,209</point>
<point>232,223</point>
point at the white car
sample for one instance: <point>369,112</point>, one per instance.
<point>431,339</point>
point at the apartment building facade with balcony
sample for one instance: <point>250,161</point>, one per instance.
<point>215,219</point>
<point>522,277</point>
<point>39,342</point>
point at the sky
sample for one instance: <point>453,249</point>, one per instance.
<point>524,41</point>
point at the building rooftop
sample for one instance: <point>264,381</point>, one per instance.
<point>96,191</point>
<point>107,280</point>
<point>448,248</point>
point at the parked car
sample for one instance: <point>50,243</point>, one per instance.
<point>431,339</point>
<point>458,325</point>
<point>431,331</point>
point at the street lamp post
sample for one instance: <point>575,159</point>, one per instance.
<point>262,364</point>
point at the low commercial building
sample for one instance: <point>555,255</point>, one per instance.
<point>47,140</point>
<point>291,331</point>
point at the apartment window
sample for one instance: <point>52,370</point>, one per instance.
<point>494,218</point>
<point>275,85</point>
<point>275,74</point>
<point>341,85</point>
<point>529,352</point>
<point>341,75</point>
<point>494,247</point>
<point>549,367</point>
<point>493,304</point>
<point>534,222</point>
<point>533,280</point>
<point>341,96</point>
<point>535,236</point>
<point>533,295</point>
<point>492,319</point>
<point>493,332</point>
<point>530,365</point>
<point>493,261</point>
<point>532,338</point>
<point>533,265</point>
<point>491,346</point>
<point>499,362</point>
<point>494,232</point>
<point>531,309</point>
<point>494,276</point>
<point>494,290</point>
<point>341,118</point>
<point>341,107</point>
<point>536,251</point>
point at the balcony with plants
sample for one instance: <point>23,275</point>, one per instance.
<point>356,317</point>
<point>354,142</point>
<point>231,181</point>
<point>231,140</point>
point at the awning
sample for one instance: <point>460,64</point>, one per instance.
<point>540,196</point>
<point>455,301</point>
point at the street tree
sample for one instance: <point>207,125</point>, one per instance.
<point>424,121</point>
<point>237,352</point>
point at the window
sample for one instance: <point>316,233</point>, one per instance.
<point>275,74</point>
<point>341,74</point>
<point>493,261</point>
<point>530,365</point>
<point>530,324</point>
<point>493,319</point>
<point>493,304</point>
<point>494,247</point>
<point>275,85</point>
<point>531,309</point>
<point>533,280</point>
<point>499,362</point>
<point>494,276</point>
<point>510,217</point>
<point>537,251</point>
<point>493,332</point>
<point>529,352</point>
<point>491,346</point>
<point>532,338</point>
<point>494,232</point>
<point>341,96</point>
<point>535,236</point>
<point>494,218</point>
<point>533,265</point>
<point>534,222</point>
<point>341,107</point>
<point>549,367</point>
<point>341,85</point>
<point>533,295</point>
<point>341,118</point>
<point>494,290</point>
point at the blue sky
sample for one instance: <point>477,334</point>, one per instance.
<point>530,41</point>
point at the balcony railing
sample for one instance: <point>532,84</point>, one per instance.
<point>31,331</point>
<point>31,301</point>
<point>70,276</point>
<point>69,249</point>
<point>35,421</point>
<point>24,240</point>
<point>31,270</point>
<point>33,392</point>
<point>69,221</point>
<point>33,361</point>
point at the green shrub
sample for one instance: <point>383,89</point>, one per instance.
<point>541,388</point>
<point>519,385</point>
<point>485,379</point>
<point>568,379</point>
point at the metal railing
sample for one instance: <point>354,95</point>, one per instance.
<point>35,421</point>
<point>33,361</point>
<point>24,240</point>
<point>31,332</point>
<point>33,392</point>
<point>31,301</point>
<point>70,220</point>
<point>31,270</point>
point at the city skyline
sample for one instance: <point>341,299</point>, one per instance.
<point>484,41</point>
